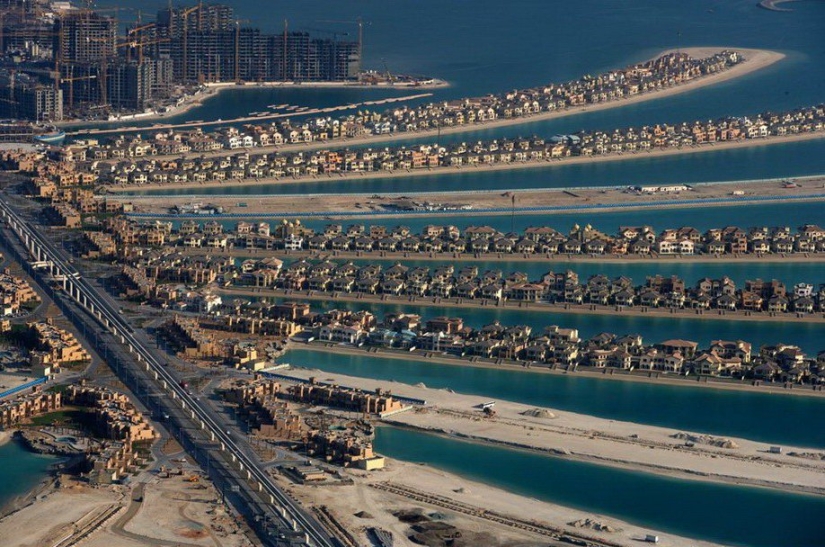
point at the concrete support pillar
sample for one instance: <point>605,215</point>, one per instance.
<point>234,459</point>
<point>223,446</point>
<point>248,475</point>
<point>192,414</point>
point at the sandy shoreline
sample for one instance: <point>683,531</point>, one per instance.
<point>528,201</point>
<point>439,171</point>
<point>606,441</point>
<point>605,374</point>
<point>536,307</point>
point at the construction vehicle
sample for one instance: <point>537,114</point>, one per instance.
<point>193,478</point>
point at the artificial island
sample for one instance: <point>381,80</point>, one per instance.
<point>211,369</point>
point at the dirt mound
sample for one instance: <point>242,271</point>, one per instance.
<point>364,515</point>
<point>538,413</point>
<point>719,442</point>
<point>593,525</point>
<point>410,516</point>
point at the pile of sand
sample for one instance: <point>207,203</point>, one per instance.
<point>539,413</point>
<point>593,525</point>
<point>709,440</point>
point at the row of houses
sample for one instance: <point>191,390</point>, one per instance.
<point>60,345</point>
<point>128,238</point>
<point>661,73</point>
<point>15,411</point>
<point>14,293</point>
<point>115,417</point>
<point>553,345</point>
<point>313,392</point>
<point>334,162</point>
<point>555,287</point>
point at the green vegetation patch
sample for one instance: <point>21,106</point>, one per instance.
<point>83,419</point>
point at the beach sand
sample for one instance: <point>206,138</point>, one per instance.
<point>548,200</point>
<point>588,438</point>
<point>346,501</point>
<point>574,436</point>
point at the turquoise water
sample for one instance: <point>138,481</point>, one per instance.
<point>20,471</point>
<point>733,515</point>
<point>808,336</point>
<point>770,418</point>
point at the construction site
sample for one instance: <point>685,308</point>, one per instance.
<point>64,61</point>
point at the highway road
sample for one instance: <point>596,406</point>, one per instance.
<point>45,251</point>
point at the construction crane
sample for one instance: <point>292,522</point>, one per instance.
<point>140,28</point>
<point>238,48</point>
<point>390,78</point>
<point>71,81</point>
<point>139,44</point>
<point>360,22</point>
<point>185,15</point>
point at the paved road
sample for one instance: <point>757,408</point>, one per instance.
<point>204,429</point>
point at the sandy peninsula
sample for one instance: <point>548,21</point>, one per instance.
<point>754,60</point>
<point>610,442</point>
<point>574,436</point>
<point>492,202</point>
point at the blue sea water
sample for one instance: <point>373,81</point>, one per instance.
<point>729,514</point>
<point>20,471</point>
<point>768,417</point>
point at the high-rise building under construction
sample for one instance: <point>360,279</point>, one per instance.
<point>206,44</point>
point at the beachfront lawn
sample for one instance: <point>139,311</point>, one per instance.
<point>66,418</point>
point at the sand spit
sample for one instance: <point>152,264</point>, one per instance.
<point>577,436</point>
